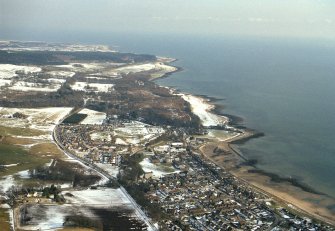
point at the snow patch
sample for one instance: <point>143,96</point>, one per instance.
<point>157,172</point>
<point>5,82</point>
<point>62,74</point>
<point>8,71</point>
<point>202,109</point>
<point>102,197</point>
<point>29,86</point>
<point>120,142</point>
<point>92,87</point>
<point>6,183</point>
<point>93,117</point>
<point>37,118</point>
<point>23,174</point>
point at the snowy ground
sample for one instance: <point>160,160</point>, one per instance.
<point>6,183</point>
<point>93,117</point>
<point>92,87</point>
<point>159,68</point>
<point>202,109</point>
<point>37,118</point>
<point>55,80</point>
<point>102,68</point>
<point>157,172</point>
<point>28,86</point>
<point>62,74</point>
<point>51,217</point>
<point>8,71</point>
<point>120,141</point>
<point>101,197</point>
<point>5,82</point>
<point>101,136</point>
<point>23,174</point>
<point>136,132</point>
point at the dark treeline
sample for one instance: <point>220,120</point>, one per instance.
<point>64,57</point>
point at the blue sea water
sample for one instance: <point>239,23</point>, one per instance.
<point>284,88</point>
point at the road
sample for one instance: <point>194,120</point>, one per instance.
<point>138,210</point>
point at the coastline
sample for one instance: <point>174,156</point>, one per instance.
<point>286,192</point>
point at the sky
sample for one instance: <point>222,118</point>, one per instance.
<point>269,18</point>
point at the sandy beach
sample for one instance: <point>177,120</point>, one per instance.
<point>284,193</point>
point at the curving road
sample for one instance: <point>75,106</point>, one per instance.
<point>138,210</point>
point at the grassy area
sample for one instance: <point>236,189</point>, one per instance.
<point>15,131</point>
<point>46,150</point>
<point>4,220</point>
<point>10,154</point>
<point>17,140</point>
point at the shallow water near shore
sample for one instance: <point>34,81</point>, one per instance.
<point>284,88</point>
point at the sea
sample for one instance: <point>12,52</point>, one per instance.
<point>284,88</point>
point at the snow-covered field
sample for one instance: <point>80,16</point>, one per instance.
<point>62,74</point>
<point>52,217</point>
<point>136,132</point>
<point>5,82</point>
<point>157,172</point>
<point>202,109</point>
<point>93,117</point>
<point>23,174</point>
<point>80,67</point>
<point>101,136</point>
<point>92,87</point>
<point>55,80</point>
<point>89,67</point>
<point>120,141</point>
<point>138,128</point>
<point>8,71</point>
<point>28,86</point>
<point>101,197</point>
<point>6,183</point>
<point>37,118</point>
<point>158,67</point>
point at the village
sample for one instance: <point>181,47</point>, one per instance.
<point>193,191</point>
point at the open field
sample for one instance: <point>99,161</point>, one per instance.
<point>17,131</point>
<point>12,155</point>
<point>158,170</point>
<point>26,137</point>
<point>34,118</point>
<point>4,219</point>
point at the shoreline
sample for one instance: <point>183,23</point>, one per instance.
<point>289,192</point>
<point>284,193</point>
